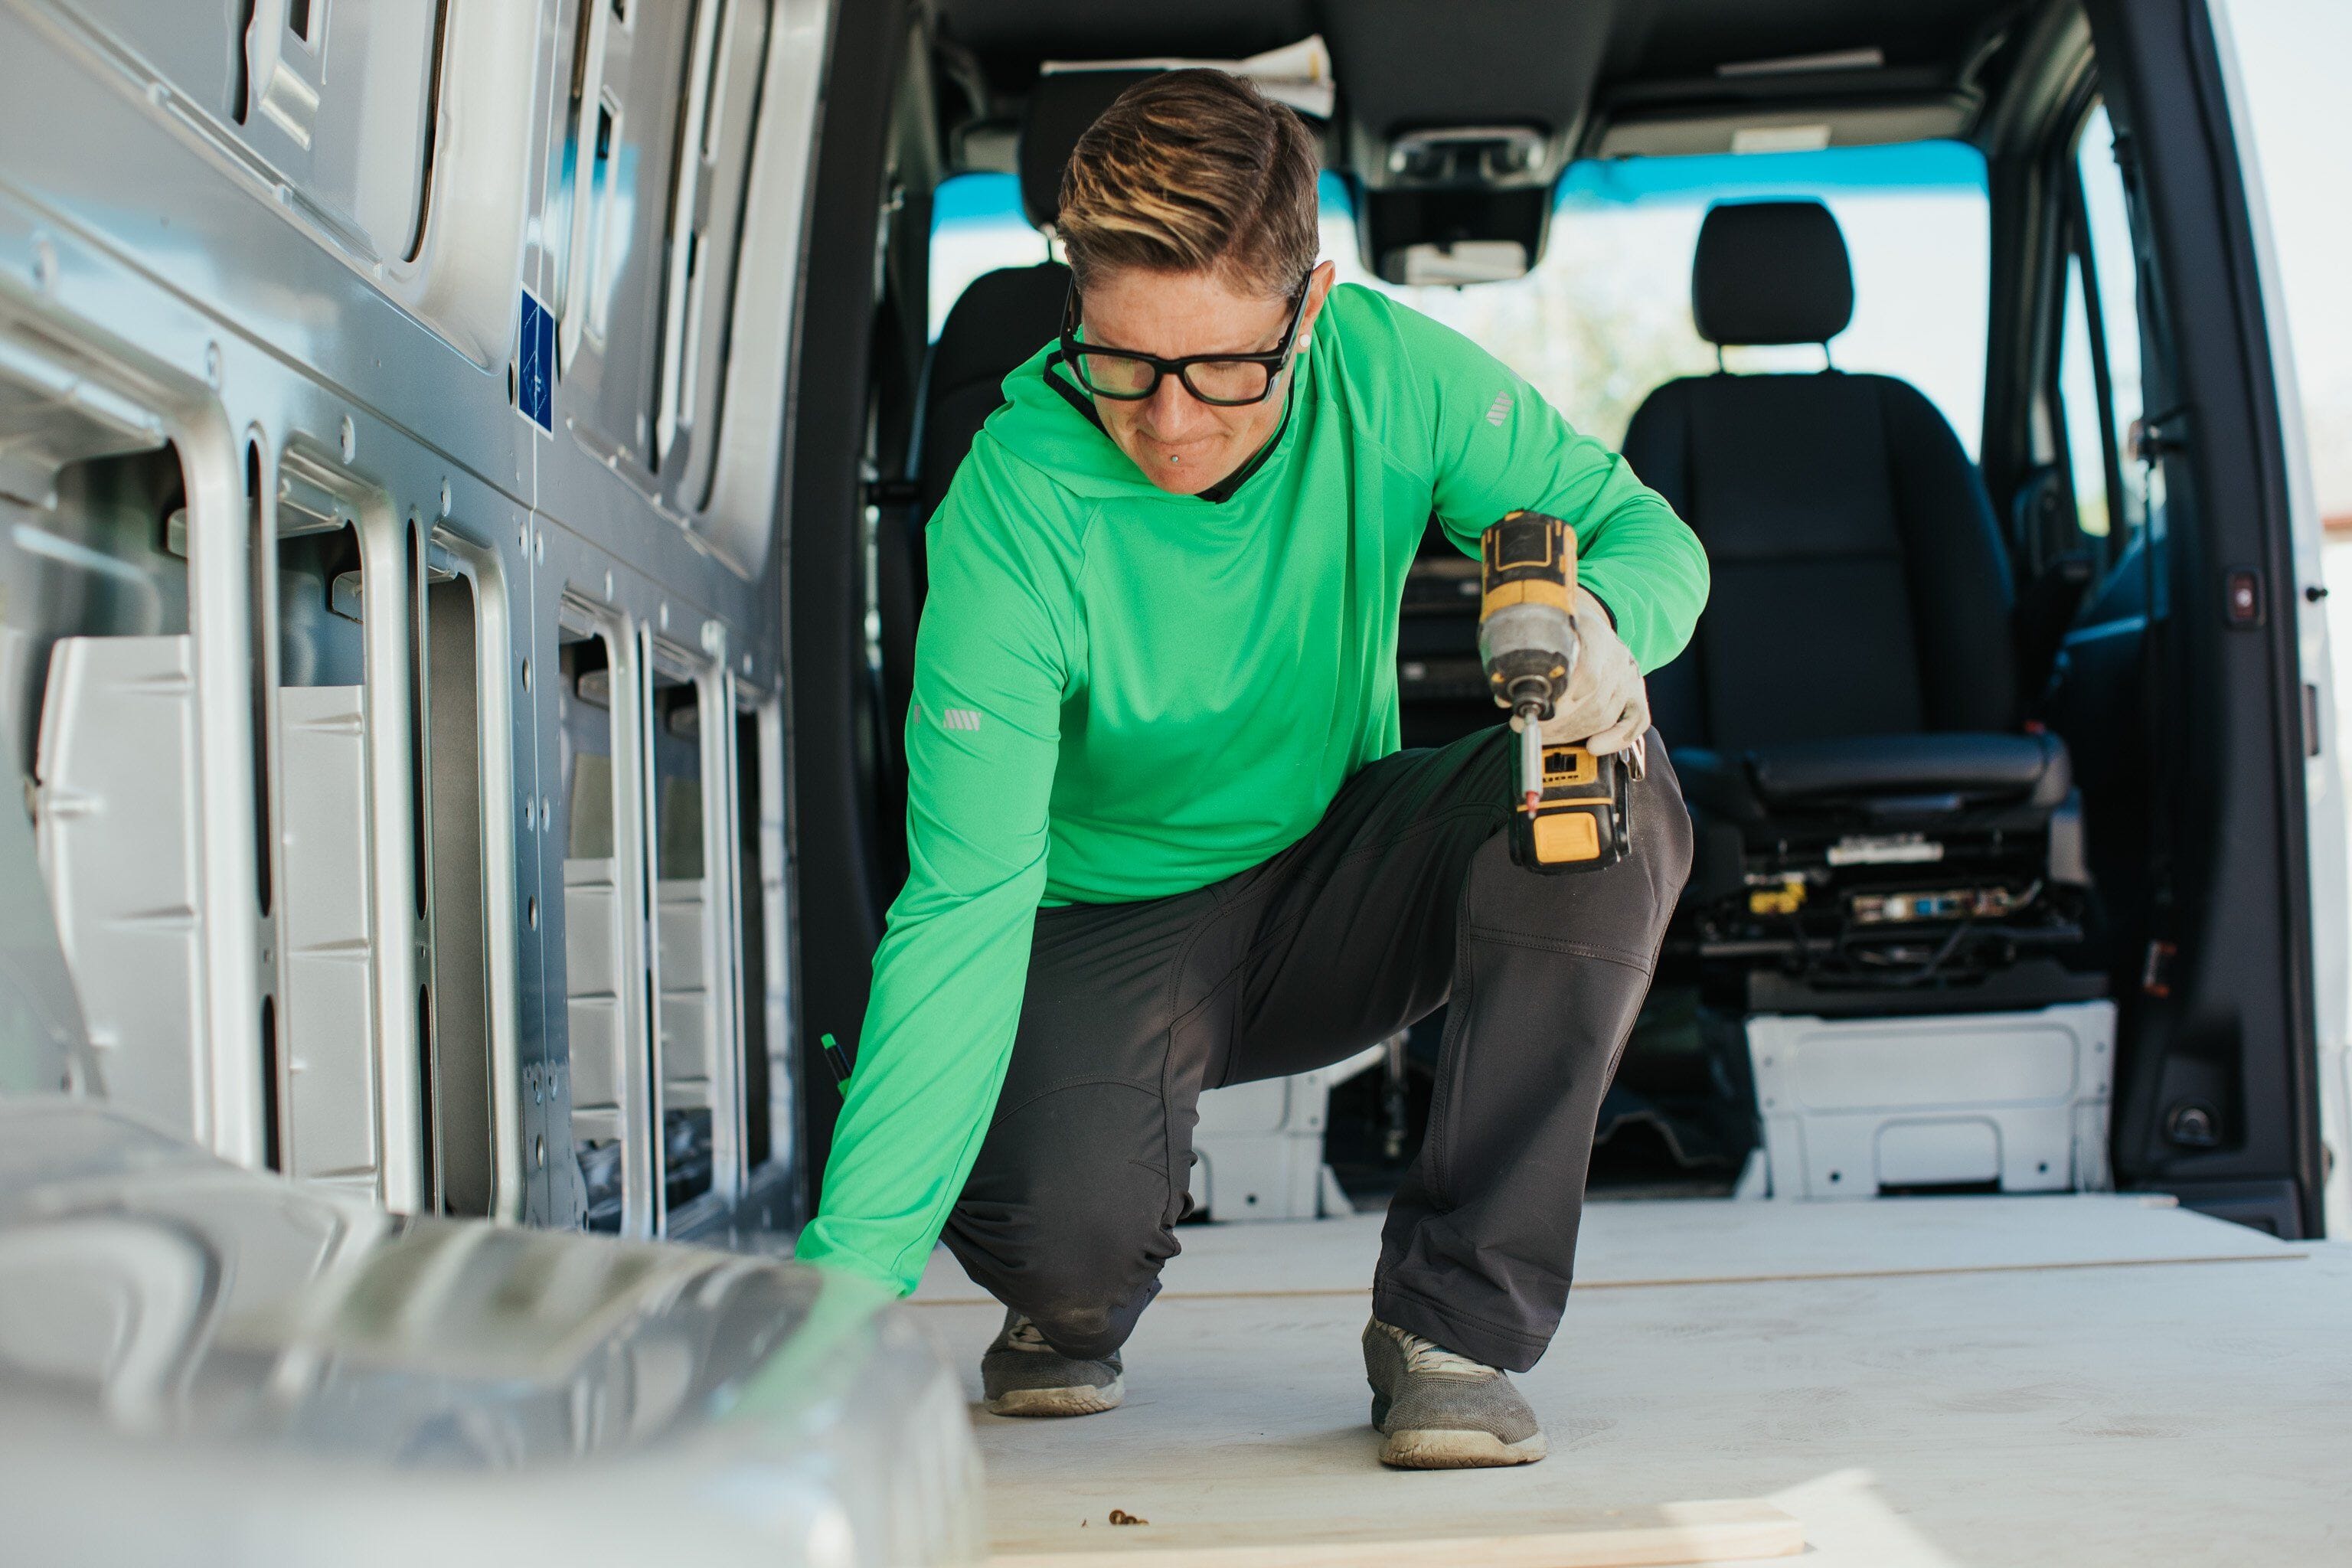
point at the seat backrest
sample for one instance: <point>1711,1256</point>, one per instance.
<point>1861,586</point>
<point>1001,320</point>
<point>1008,314</point>
<point>997,322</point>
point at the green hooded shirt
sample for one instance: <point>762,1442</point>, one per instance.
<point>1124,694</point>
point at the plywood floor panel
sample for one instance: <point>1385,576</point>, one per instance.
<point>2077,1410</point>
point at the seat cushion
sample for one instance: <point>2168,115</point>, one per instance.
<point>1976,768</point>
<point>1767,792</point>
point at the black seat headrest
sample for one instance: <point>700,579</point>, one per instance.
<point>1061,106</point>
<point>1770,272</point>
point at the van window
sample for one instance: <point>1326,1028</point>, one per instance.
<point>1604,317</point>
<point>977,227</point>
<point>2113,276</point>
<point>2090,447</point>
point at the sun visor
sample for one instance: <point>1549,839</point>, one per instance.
<point>1783,127</point>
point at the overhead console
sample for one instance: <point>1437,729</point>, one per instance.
<point>1455,123</point>
<point>1686,77</point>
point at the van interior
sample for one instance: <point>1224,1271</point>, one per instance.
<point>1991,729</point>
<point>464,481</point>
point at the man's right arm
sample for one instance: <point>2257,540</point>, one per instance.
<point>981,744</point>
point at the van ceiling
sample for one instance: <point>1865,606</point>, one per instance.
<point>1571,70</point>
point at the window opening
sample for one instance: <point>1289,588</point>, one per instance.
<point>240,95</point>
<point>2113,313</point>
<point>689,1012</point>
<point>758,881</point>
<point>607,1109</point>
<point>2089,437</point>
<point>100,706</point>
<point>327,938</point>
<point>260,557</point>
<point>458,1021</point>
<point>600,209</point>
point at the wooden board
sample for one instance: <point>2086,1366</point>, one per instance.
<point>1224,1528</point>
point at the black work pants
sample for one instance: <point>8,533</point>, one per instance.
<point>1402,897</point>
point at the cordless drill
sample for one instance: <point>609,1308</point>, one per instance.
<point>1571,814</point>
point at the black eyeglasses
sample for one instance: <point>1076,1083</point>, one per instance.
<point>1225,380</point>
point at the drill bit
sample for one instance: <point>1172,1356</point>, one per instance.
<point>1531,753</point>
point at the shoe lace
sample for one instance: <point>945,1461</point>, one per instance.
<point>1428,1355</point>
<point>1026,1336</point>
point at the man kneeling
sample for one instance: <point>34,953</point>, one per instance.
<point>1162,834</point>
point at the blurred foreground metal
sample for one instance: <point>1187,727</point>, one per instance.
<point>202,1364</point>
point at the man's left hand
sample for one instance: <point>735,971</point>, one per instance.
<point>1607,708</point>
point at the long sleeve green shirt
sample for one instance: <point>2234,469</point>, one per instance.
<point>1121,693</point>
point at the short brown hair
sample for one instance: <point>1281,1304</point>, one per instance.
<point>1193,170</point>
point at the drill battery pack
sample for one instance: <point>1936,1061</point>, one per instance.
<point>1582,821</point>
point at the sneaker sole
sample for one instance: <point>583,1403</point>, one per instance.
<point>1443,1450</point>
<point>1078,1401</point>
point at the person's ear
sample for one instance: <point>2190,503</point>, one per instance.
<point>1318,289</point>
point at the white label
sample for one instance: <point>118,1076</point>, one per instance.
<point>1780,138</point>
<point>1887,849</point>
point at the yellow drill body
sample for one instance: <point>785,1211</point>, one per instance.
<point>1571,814</point>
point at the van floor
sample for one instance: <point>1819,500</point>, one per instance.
<point>1922,1383</point>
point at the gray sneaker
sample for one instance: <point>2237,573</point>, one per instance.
<point>1441,1411</point>
<point>1021,1374</point>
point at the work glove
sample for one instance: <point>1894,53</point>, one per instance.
<point>1607,708</point>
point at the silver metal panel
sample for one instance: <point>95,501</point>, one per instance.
<point>262,1365</point>
<point>739,515</point>
<point>118,830</point>
<point>193,45</point>
<point>723,75</point>
<point>343,115</point>
<point>168,283</point>
<point>326,1018</point>
<point>621,149</point>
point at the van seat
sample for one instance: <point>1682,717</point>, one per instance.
<point>1854,676</point>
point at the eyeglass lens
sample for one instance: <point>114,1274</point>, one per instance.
<point>1211,381</point>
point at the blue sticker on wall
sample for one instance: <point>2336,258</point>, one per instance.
<point>535,366</point>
